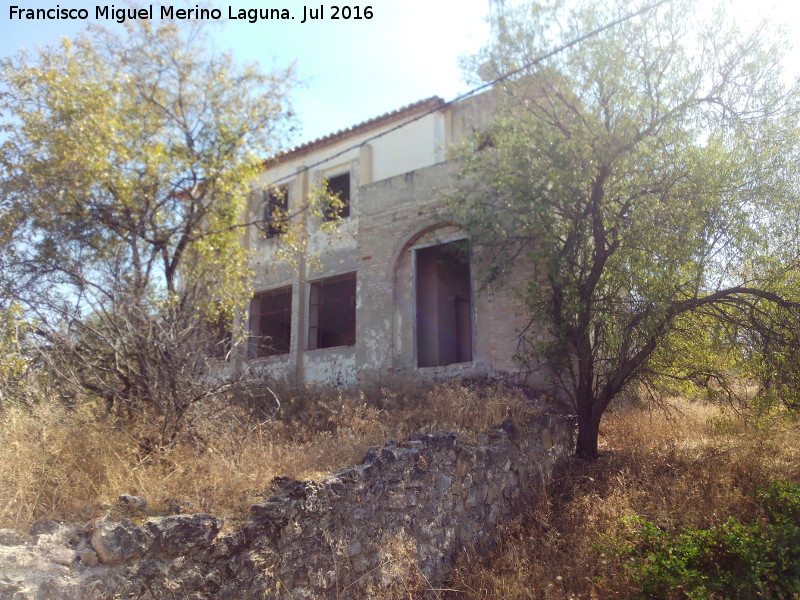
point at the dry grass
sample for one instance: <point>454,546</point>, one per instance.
<point>691,466</point>
<point>72,464</point>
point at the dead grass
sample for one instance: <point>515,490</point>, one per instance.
<point>73,464</point>
<point>691,466</point>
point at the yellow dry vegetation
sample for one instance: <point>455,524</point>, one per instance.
<point>73,463</point>
<point>686,465</point>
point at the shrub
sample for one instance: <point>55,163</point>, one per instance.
<point>686,466</point>
<point>757,559</point>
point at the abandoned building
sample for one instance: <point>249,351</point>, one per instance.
<point>392,290</point>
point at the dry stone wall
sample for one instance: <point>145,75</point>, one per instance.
<point>404,512</point>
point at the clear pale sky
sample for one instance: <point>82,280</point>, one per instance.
<point>352,70</point>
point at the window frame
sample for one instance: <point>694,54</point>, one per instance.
<point>332,185</point>
<point>257,348</point>
<point>319,303</point>
<point>276,198</point>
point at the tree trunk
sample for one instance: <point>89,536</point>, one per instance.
<point>588,433</point>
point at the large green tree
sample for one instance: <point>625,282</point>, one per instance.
<point>125,163</point>
<point>648,173</point>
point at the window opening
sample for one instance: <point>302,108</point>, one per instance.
<point>276,211</point>
<point>443,304</point>
<point>484,140</point>
<point>332,312</point>
<point>339,187</point>
<point>271,323</point>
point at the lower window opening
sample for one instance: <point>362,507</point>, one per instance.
<point>332,312</point>
<point>271,323</point>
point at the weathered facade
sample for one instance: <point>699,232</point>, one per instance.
<point>393,289</point>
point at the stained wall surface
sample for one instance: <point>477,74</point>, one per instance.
<point>399,176</point>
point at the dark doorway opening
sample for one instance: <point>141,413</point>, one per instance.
<point>443,304</point>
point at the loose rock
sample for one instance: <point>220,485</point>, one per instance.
<point>119,542</point>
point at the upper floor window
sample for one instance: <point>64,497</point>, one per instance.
<point>332,312</point>
<point>484,140</point>
<point>339,187</point>
<point>276,210</point>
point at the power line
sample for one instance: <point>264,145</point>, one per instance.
<point>484,86</point>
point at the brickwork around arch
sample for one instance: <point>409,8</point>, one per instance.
<point>410,317</point>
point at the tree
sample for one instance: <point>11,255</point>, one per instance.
<point>13,364</point>
<point>126,161</point>
<point>648,173</point>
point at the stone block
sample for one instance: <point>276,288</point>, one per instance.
<point>119,542</point>
<point>179,534</point>
<point>12,537</point>
<point>354,549</point>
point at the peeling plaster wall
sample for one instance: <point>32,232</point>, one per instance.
<point>331,366</point>
<point>273,368</point>
<point>397,182</point>
<point>375,342</point>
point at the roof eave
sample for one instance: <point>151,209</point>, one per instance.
<point>428,104</point>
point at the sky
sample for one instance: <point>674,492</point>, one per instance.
<point>351,70</point>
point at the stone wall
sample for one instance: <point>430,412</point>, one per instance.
<point>404,512</point>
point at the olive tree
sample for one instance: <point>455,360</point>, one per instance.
<point>646,174</point>
<point>125,164</point>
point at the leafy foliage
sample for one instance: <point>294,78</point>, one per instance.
<point>126,164</point>
<point>646,174</point>
<point>729,560</point>
<point>14,364</point>
<point>130,158</point>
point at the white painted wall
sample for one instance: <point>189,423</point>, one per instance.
<point>409,148</point>
<point>331,366</point>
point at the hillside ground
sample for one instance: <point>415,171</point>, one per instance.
<point>685,466</point>
<point>73,462</point>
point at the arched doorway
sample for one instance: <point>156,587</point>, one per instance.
<point>443,303</point>
<point>434,300</point>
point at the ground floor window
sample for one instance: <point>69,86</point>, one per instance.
<point>271,323</point>
<point>443,304</point>
<point>218,337</point>
<point>332,312</point>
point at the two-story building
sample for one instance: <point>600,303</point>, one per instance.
<point>393,289</point>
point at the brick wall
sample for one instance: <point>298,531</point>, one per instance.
<point>397,215</point>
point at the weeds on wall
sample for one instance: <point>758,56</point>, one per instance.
<point>73,462</point>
